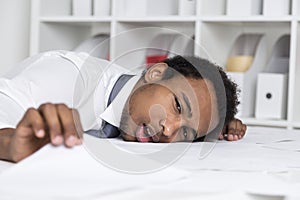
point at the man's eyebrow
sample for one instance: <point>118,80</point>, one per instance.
<point>188,104</point>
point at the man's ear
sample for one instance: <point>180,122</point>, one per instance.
<point>155,72</point>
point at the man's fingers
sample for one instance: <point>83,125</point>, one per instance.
<point>244,129</point>
<point>78,126</point>
<point>240,129</point>
<point>63,124</point>
<point>50,115</point>
<point>221,137</point>
<point>231,131</point>
<point>234,130</point>
<point>223,133</point>
<point>32,121</point>
<point>59,121</point>
<point>66,116</point>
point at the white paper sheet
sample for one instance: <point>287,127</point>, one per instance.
<point>241,157</point>
<point>57,172</point>
<point>265,135</point>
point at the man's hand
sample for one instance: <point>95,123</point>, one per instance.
<point>234,131</point>
<point>54,123</point>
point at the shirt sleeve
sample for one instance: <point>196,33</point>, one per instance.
<point>10,112</point>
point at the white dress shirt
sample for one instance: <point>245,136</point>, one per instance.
<point>75,79</point>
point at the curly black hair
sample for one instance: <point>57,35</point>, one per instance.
<point>199,68</point>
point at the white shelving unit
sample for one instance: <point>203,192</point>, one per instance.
<point>54,27</point>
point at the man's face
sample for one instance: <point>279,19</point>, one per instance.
<point>173,110</point>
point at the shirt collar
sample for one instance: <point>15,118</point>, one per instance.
<point>113,112</point>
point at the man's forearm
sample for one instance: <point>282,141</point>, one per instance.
<point>5,139</point>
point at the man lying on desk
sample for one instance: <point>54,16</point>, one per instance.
<point>180,99</point>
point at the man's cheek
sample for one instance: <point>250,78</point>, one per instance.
<point>156,113</point>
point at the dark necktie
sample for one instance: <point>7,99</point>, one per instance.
<point>108,130</point>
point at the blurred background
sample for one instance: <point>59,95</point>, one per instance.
<point>14,35</point>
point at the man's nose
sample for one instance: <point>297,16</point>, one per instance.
<point>170,126</point>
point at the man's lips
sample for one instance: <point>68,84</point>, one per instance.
<point>141,134</point>
<point>145,134</point>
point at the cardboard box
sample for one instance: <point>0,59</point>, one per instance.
<point>280,57</point>
<point>276,7</point>
<point>254,45</point>
<point>271,96</point>
<point>242,54</point>
<point>243,7</point>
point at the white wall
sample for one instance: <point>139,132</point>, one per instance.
<point>14,32</point>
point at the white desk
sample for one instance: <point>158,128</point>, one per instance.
<point>5,165</point>
<point>265,165</point>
